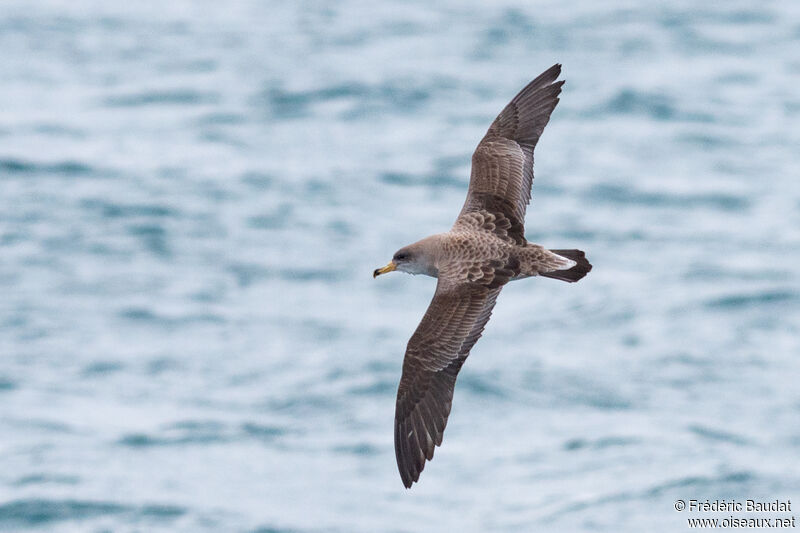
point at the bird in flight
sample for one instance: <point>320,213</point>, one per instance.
<point>484,250</point>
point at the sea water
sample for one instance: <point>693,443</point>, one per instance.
<point>193,197</point>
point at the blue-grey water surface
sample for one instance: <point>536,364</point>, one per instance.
<point>193,196</point>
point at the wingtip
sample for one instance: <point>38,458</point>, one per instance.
<point>408,478</point>
<point>558,72</point>
<point>410,473</point>
<point>547,78</point>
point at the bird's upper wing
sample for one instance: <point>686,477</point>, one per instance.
<point>502,165</point>
<point>451,326</point>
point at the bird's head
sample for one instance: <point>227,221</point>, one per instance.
<point>417,258</point>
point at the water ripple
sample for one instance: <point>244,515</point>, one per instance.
<point>22,513</point>
<point>173,97</point>
<point>759,299</point>
<point>38,512</point>
<point>65,168</point>
<point>618,194</point>
<point>717,435</point>
<point>364,99</point>
<point>202,433</point>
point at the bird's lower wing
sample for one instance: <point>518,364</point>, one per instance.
<point>450,328</point>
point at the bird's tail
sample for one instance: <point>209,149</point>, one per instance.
<point>572,274</point>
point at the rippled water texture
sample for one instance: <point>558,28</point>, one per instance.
<point>193,196</point>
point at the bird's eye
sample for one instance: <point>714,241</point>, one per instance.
<point>401,256</point>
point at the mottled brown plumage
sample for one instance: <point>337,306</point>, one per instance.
<point>484,250</point>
